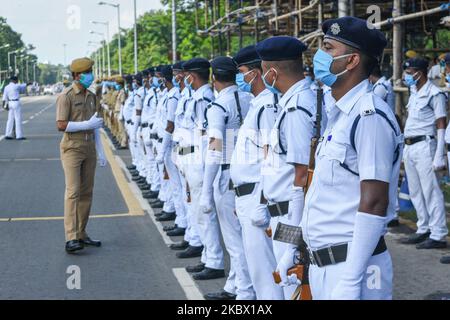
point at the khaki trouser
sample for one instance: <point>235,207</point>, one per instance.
<point>121,132</point>
<point>79,160</point>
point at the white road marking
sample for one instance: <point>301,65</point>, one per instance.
<point>144,203</point>
<point>2,137</point>
<point>189,287</point>
<point>111,145</point>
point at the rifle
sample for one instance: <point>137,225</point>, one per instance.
<point>315,139</point>
<point>293,235</point>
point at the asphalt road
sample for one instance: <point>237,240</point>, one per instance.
<point>134,261</point>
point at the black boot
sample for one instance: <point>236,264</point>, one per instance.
<point>190,252</point>
<point>73,245</point>
<point>208,274</point>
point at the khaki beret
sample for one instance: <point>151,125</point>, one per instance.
<point>119,80</point>
<point>81,65</point>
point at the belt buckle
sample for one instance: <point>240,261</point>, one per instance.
<point>311,257</point>
<point>330,254</point>
<point>237,191</point>
<point>277,205</point>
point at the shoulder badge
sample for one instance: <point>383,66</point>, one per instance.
<point>291,109</point>
<point>366,107</point>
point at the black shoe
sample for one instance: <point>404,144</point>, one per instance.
<point>90,242</point>
<point>169,228</point>
<point>168,216</point>
<point>195,269</point>
<point>23,138</point>
<point>190,252</point>
<point>221,295</point>
<point>208,274</point>
<point>176,232</point>
<point>131,167</point>
<point>9,138</point>
<point>137,179</point>
<point>157,204</point>
<point>159,214</point>
<point>150,195</point>
<point>122,148</point>
<point>432,244</point>
<point>394,223</point>
<point>445,260</point>
<point>144,187</point>
<point>182,245</point>
<point>416,238</point>
<point>73,245</point>
<point>134,173</point>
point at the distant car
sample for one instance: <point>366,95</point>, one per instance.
<point>48,90</point>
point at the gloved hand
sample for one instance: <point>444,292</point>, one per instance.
<point>260,216</point>
<point>439,156</point>
<point>286,262</point>
<point>94,122</point>
<point>207,200</point>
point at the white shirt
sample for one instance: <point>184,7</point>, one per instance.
<point>128,108</point>
<point>383,89</point>
<point>139,97</point>
<point>294,129</point>
<point>180,131</point>
<point>160,123</point>
<point>149,106</point>
<point>424,108</point>
<point>333,198</point>
<point>13,90</point>
<point>223,118</point>
<point>253,135</point>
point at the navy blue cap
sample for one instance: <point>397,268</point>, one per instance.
<point>167,72</point>
<point>178,66</point>
<point>447,58</point>
<point>280,48</point>
<point>224,65</point>
<point>416,63</point>
<point>355,33</point>
<point>138,78</point>
<point>128,78</point>
<point>14,78</point>
<point>196,64</point>
<point>145,73</point>
<point>246,56</point>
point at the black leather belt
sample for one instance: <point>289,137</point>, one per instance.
<point>186,150</point>
<point>336,254</point>
<point>244,189</point>
<point>130,122</point>
<point>410,141</point>
<point>160,140</point>
<point>279,209</point>
<point>225,166</point>
<point>144,125</point>
<point>151,125</point>
<point>448,147</point>
<point>154,136</point>
<point>13,99</point>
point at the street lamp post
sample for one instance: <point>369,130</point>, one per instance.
<point>3,47</point>
<point>107,43</point>
<point>104,41</point>
<point>119,35</point>
<point>135,40</point>
<point>99,56</point>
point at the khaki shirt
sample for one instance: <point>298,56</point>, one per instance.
<point>120,100</point>
<point>75,105</point>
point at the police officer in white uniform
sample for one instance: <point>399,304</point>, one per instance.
<point>223,119</point>
<point>425,154</point>
<point>352,194</point>
<point>284,172</point>
<point>192,147</point>
<point>382,87</point>
<point>245,174</point>
<point>191,237</point>
<point>11,97</point>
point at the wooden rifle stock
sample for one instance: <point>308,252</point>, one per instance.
<point>315,139</point>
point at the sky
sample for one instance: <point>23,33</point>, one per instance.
<point>49,24</point>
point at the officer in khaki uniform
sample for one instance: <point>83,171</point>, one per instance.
<point>77,118</point>
<point>121,134</point>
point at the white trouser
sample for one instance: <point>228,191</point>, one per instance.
<point>280,247</point>
<point>191,234</point>
<point>155,177</point>
<point>376,283</point>
<point>141,161</point>
<point>424,190</point>
<point>258,248</point>
<point>133,148</point>
<point>14,116</point>
<point>176,190</point>
<point>207,224</point>
<point>224,199</point>
<point>152,173</point>
<point>165,193</point>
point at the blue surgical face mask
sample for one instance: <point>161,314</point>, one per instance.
<point>322,67</point>
<point>308,78</point>
<point>409,79</point>
<point>134,86</point>
<point>156,83</point>
<point>118,87</point>
<point>175,83</point>
<point>240,81</point>
<point>86,79</point>
<point>271,87</point>
<point>187,83</point>
<point>448,77</point>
